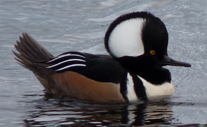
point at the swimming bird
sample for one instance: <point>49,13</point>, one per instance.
<point>137,46</point>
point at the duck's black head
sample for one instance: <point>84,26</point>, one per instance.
<point>139,42</point>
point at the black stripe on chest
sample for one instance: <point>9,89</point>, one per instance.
<point>123,87</point>
<point>139,88</point>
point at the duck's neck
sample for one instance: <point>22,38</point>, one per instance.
<point>153,74</point>
<point>144,81</point>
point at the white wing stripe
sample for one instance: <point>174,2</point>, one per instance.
<point>65,55</point>
<point>69,66</point>
<point>65,62</point>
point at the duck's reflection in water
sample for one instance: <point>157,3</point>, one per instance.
<point>74,113</point>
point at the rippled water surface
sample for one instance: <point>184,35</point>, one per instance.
<point>64,25</point>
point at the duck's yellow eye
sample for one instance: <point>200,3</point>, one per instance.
<point>152,52</point>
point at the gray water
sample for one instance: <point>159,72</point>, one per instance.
<point>65,25</point>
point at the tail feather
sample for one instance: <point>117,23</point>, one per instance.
<point>19,58</point>
<point>31,49</point>
<point>34,57</point>
<point>30,52</point>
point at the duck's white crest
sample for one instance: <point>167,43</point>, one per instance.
<point>126,38</point>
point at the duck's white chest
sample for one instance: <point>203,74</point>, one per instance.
<point>151,90</point>
<point>165,89</point>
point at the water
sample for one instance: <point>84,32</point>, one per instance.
<point>64,25</point>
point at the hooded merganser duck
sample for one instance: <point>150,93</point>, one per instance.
<point>137,43</point>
